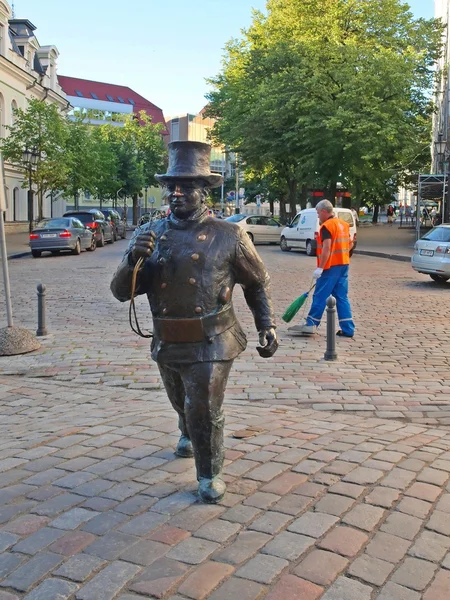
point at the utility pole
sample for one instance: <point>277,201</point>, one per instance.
<point>236,197</point>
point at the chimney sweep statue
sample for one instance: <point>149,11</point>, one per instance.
<point>192,263</point>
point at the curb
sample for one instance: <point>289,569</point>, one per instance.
<point>18,255</point>
<point>383,255</point>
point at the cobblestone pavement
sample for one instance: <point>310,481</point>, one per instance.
<point>338,472</point>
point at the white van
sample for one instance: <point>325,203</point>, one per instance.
<point>303,230</point>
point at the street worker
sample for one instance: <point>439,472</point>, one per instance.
<point>333,259</point>
<point>192,263</point>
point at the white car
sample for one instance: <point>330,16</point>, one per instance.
<point>258,227</point>
<point>432,254</point>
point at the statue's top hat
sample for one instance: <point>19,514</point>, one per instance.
<point>190,160</point>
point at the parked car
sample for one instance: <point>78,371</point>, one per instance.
<point>432,254</point>
<point>303,231</point>
<point>156,213</point>
<point>259,228</point>
<point>119,226</point>
<point>95,220</point>
<point>56,235</point>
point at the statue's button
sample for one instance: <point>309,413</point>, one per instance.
<point>164,311</point>
<point>192,281</point>
<point>198,309</point>
<point>161,260</point>
<point>201,237</point>
<point>163,237</point>
<point>195,257</point>
<point>163,286</point>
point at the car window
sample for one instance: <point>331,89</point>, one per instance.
<point>235,218</point>
<point>53,224</point>
<point>346,216</point>
<point>295,220</point>
<point>77,223</point>
<point>255,221</point>
<point>272,222</point>
<point>438,234</point>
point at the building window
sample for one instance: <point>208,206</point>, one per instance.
<point>131,101</point>
<point>120,99</point>
<point>94,96</point>
<point>2,117</point>
<point>110,98</point>
<point>13,111</point>
<point>79,94</point>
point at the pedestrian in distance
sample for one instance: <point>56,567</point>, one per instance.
<point>331,274</point>
<point>192,263</point>
<point>390,214</point>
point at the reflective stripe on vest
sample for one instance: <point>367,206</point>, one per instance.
<point>340,243</point>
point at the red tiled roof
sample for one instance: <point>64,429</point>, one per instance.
<point>71,85</point>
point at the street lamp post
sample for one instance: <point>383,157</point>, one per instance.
<point>117,194</point>
<point>441,146</point>
<point>30,158</point>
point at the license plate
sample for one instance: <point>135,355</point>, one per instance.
<point>48,235</point>
<point>427,252</point>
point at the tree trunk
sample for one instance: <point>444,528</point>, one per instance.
<point>376,211</point>
<point>271,207</point>
<point>292,197</point>
<point>40,205</point>
<point>135,209</point>
<point>75,201</point>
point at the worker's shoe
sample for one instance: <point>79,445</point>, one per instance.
<point>212,490</point>
<point>184,448</point>
<point>303,329</point>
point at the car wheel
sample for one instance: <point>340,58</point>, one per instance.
<point>101,241</point>
<point>250,235</point>
<point>113,238</point>
<point>93,245</point>
<point>36,253</point>
<point>283,245</point>
<point>309,248</point>
<point>439,278</point>
<point>77,248</point>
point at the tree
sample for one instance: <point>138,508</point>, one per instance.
<point>321,91</point>
<point>41,129</point>
<point>81,160</point>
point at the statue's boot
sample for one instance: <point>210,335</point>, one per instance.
<point>212,490</point>
<point>209,454</point>
<point>184,447</point>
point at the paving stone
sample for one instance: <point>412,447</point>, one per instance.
<point>371,570</point>
<point>72,543</point>
<point>7,540</point>
<point>414,573</point>
<point>39,540</point>
<point>103,522</point>
<point>262,568</point>
<point>32,571</point>
<point>218,530</point>
<point>238,588</point>
<point>439,522</point>
<point>204,580</point>
<point>73,518</point>
<point>99,504</point>
<point>74,479</point>
<point>398,479</point>
<point>241,514</point>
<point>393,591</point>
<point>26,525</point>
<point>413,506</point>
<point>267,472</point>
<point>424,491</point>
<point>136,504</point>
<point>292,504</point>
<point>444,503</point>
<point>348,589</point>
<point>57,589</point>
<point>196,515</point>
<point>332,504</point>
<point>145,552</point>
<point>402,525</point>
<point>321,567</point>
<point>174,503</point>
<point>168,535</point>
<point>347,489</point>
<point>160,578</point>
<point>79,567</point>
<point>111,545</point>
<point>364,476</point>
<point>292,588</point>
<point>270,522</point>
<point>381,496</point>
<point>308,467</point>
<point>106,584</point>
<point>56,505</point>
<point>430,546</point>
<point>313,490</point>
<point>440,587</point>
<point>245,546</point>
<point>344,540</point>
<point>313,524</point>
<point>261,500</point>
<point>193,550</point>
<point>388,547</point>
<point>122,491</point>
<point>9,562</point>
<point>284,484</point>
<point>8,596</point>
<point>433,476</point>
<point>364,516</point>
<point>143,524</point>
<point>288,545</point>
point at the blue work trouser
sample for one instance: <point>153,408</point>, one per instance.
<point>333,281</point>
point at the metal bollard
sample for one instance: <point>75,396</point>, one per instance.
<point>42,329</point>
<point>330,353</point>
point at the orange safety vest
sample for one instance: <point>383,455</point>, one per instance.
<point>340,243</point>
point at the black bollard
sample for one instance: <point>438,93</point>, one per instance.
<point>330,353</point>
<point>42,329</point>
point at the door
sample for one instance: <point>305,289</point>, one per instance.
<point>304,228</point>
<point>292,235</point>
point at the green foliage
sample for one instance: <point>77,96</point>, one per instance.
<point>321,91</point>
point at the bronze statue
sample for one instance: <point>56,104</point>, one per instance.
<point>192,264</point>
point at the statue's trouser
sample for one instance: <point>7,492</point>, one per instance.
<point>196,392</point>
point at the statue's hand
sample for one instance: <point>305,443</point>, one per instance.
<point>143,246</point>
<point>268,342</point>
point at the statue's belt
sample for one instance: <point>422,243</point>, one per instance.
<point>203,329</point>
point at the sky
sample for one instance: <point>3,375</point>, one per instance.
<point>162,49</point>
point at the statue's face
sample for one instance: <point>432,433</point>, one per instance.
<point>185,196</point>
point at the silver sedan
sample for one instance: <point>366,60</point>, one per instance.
<point>56,235</point>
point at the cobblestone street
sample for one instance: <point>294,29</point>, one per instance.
<point>338,472</point>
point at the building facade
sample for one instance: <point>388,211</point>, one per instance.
<point>27,70</point>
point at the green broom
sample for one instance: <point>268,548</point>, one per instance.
<point>293,309</point>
